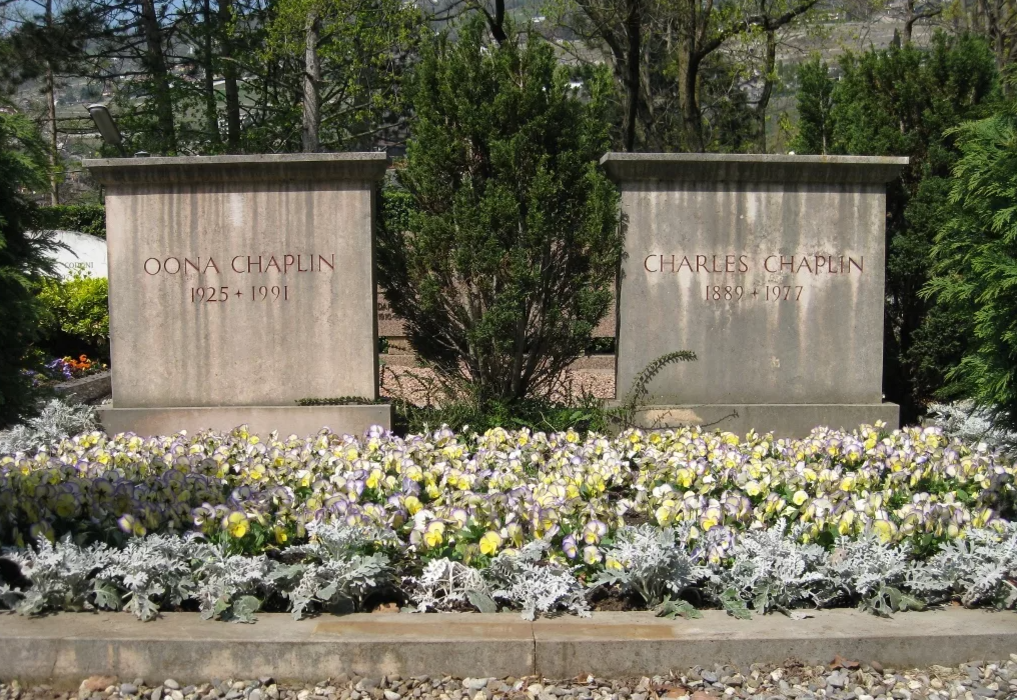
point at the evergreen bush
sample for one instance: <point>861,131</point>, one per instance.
<point>976,262</point>
<point>500,237</point>
<point>23,259</point>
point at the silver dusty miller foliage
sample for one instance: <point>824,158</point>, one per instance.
<point>336,572</point>
<point>62,576</point>
<point>523,580</point>
<point>340,567</point>
<point>228,586</point>
<point>56,421</point>
<point>873,572</point>
<point>980,569</point>
<point>654,562</point>
<point>446,585</point>
<point>152,571</point>
<point>972,424</point>
<point>775,572</point>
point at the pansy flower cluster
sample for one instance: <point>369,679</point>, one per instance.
<point>472,497</point>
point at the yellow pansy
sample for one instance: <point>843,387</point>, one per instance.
<point>374,478</point>
<point>490,543</point>
<point>846,522</point>
<point>663,514</point>
<point>434,535</point>
<point>237,524</point>
<point>413,505</point>
<point>884,530</point>
<point>711,518</point>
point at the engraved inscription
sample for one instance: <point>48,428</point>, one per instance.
<point>774,268</point>
<point>208,292</point>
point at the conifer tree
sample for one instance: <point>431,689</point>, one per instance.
<point>23,162</point>
<point>975,258</point>
<point>501,241</point>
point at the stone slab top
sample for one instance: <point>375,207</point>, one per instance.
<point>722,167</point>
<point>62,649</point>
<point>281,167</point>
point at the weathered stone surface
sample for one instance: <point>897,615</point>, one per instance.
<point>790,420</point>
<point>69,646</point>
<point>84,389</point>
<point>769,268</point>
<point>241,280</point>
<point>260,420</point>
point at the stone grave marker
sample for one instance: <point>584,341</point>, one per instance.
<point>238,286</point>
<point>770,269</point>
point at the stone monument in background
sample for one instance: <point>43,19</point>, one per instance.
<point>239,285</point>
<point>770,269</point>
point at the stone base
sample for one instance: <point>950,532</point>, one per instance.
<point>90,388</point>
<point>783,420</point>
<point>260,420</point>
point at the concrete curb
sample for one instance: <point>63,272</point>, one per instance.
<point>65,648</point>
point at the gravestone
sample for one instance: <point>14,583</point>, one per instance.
<point>238,286</point>
<point>79,254</point>
<point>770,269</point>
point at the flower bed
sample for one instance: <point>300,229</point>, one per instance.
<point>477,520</point>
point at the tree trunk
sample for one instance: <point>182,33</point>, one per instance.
<point>229,74</point>
<point>155,64</point>
<point>54,163</point>
<point>633,36</point>
<point>497,23</point>
<point>909,23</point>
<point>211,111</point>
<point>688,95</point>
<point>54,184</point>
<point>764,97</point>
<point>312,79</point>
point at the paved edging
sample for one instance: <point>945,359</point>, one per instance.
<point>67,647</point>
<point>90,388</point>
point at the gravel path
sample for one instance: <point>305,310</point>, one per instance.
<point>841,679</point>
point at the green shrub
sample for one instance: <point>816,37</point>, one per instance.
<point>23,259</point>
<point>976,261</point>
<point>501,242</point>
<point>77,316</point>
<point>87,218</point>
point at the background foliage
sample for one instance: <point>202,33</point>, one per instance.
<point>77,317</point>
<point>87,218</point>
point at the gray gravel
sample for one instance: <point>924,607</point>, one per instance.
<point>841,679</point>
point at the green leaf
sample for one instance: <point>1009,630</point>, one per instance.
<point>244,608</point>
<point>481,601</point>
<point>107,597</point>
<point>328,591</point>
<point>734,605</point>
<point>677,608</point>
